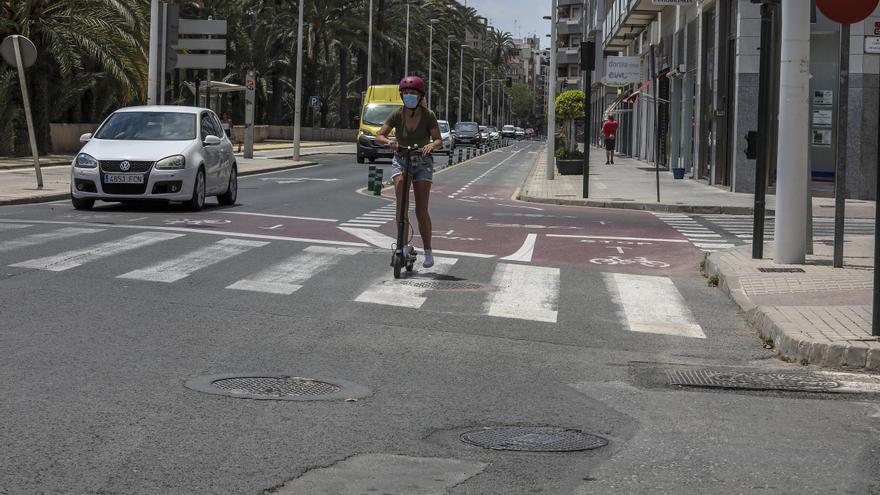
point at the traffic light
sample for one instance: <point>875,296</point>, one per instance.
<point>509,82</point>
<point>171,26</point>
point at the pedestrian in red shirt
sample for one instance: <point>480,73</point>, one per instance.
<point>609,134</point>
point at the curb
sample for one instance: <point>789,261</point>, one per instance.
<point>59,196</point>
<point>660,207</point>
<point>788,339</point>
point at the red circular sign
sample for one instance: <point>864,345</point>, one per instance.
<point>847,11</point>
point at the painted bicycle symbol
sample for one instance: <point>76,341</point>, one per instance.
<point>187,221</point>
<point>641,260</point>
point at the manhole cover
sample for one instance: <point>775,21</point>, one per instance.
<point>277,387</point>
<point>441,284</point>
<point>533,439</point>
<point>800,382</point>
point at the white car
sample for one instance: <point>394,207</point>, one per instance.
<point>446,137</point>
<point>155,153</point>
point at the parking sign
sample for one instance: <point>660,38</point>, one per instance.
<point>314,101</point>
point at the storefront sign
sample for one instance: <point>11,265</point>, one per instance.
<point>822,117</point>
<point>822,137</point>
<point>872,44</point>
<point>623,70</point>
<point>876,28</point>
<point>823,97</point>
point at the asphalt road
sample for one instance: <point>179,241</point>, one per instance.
<point>535,315</point>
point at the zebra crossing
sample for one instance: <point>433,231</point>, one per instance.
<point>375,218</point>
<point>717,232</point>
<point>512,290</point>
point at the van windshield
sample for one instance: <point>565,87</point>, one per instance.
<point>376,114</point>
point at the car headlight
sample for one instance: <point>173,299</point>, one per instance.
<point>175,162</point>
<point>366,132</point>
<point>84,160</point>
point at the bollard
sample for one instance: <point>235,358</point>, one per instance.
<point>449,159</point>
<point>371,177</point>
<point>468,155</point>
<point>377,186</point>
<point>459,155</point>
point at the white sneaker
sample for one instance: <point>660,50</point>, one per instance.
<point>429,259</point>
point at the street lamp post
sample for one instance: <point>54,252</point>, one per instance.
<point>370,48</point>
<point>297,113</point>
<point>474,87</point>
<point>430,57</point>
<point>551,95</point>
<point>449,40</point>
<point>406,50</point>
<point>460,80</point>
<point>483,99</point>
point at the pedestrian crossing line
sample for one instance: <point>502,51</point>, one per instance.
<point>525,252</point>
<point>652,304</point>
<point>37,239</point>
<point>707,246</point>
<point>77,257</point>
<point>390,292</point>
<point>706,234</point>
<point>524,292</point>
<point>181,267</point>
<point>13,226</point>
<point>287,277</point>
<point>360,225</point>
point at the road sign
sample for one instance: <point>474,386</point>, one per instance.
<point>623,70</point>
<point>872,44</point>
<point>847,11</point>
<point>314,101</point>
<point>201,61</point>
<point>28,51</point>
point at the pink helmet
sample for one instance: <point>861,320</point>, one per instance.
<point>412,82</point>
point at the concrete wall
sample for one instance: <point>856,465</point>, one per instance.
<point>65,137</point>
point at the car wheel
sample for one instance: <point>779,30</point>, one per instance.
<point>228,198</point>
<point>360,158</point>
<point>372,159</point>
<point>82,203</point>
<point>197,202</point>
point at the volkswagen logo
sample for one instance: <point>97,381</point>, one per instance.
<point>125,166</point>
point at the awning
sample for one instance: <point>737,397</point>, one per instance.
<point>635,94</point>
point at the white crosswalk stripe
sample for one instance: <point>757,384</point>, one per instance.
<point>78,257</point>
<point>525,292</point>
<point>288,276</point>
<point>652,305</point>
<point>181,267</point>
<point>37,239</point>
<point>403,293</point>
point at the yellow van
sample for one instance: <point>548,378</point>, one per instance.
<point>379,102</point>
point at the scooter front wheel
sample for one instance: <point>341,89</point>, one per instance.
<point>397,264</point>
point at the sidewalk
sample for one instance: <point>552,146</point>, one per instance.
<point>811,313</point>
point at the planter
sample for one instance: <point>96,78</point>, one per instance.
<point>678,173</point>
<point>570,167</point>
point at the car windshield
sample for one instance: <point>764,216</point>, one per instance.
<point>466,127</point>
<point>149,126</point>
<point>492,129</point>
<point>508,128</point>
<point>444,126</point>
<point>376,114</point>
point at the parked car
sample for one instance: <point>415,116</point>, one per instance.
<point>520,133</point>
<point>467,134</point>
<point>508,131</point>
<point>379,102</point>
<point>484,134</point>
<point>530,132</point>
<point>158,153</point>
<point>447,137</point>
<point>494,135</point>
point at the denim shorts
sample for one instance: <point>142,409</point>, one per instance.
<point>422,168</point>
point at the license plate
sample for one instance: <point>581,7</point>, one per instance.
<point>123,179</point>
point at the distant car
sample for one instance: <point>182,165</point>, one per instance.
<point>155,153</point>
<point>494,135</point>
<point>446,137</point>
<point>520,133</point>
<point>484,134</point>
<point>508,131</point>
<point>530,132</point>
<point>467,134</point>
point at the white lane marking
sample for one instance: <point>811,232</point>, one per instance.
<point>387,292</point>
<point>524,292</point>
<point>370,236</point>
<point>200,231</point>
<point>463,253</point>
<point>288,276</point>
<point>313,219</point>
<point>37,239</point>
<point>713,245</point>
<point>72,259</point>
<point>181,267</point>
<point>617,238</point>
<point>13,226</point>
<point>282,171</point>
<point>652,305</point>
<point>377,215</point>
<point>701,235</point>
<point>484,174</point>
<point>525,252</point>
<point>274,227</point>
<point>369,222</point>
<point>520,206</point>
<point>360,225</point>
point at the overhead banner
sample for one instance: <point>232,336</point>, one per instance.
<point>620,71</point>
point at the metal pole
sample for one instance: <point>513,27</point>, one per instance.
<point>35,153</point>
<point>460,82</point>
<point>875,314</point>
<point>483,100</point>
<point>406,55</point>
<point>551,96</point>
<point>430,60</point>
<point>446,103</point>
<point>152,68</point>
<point>473,88</point>
<point>162,54</point>
<point>588,110</point>
<point>840,169</point>
<point>764,92</point>
<point>794,121</point>
<point>297,112</point>
<point>652,62</point>
<point>370,48</point>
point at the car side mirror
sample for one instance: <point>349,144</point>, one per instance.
<point>212,140</point>
<point>85,138</point>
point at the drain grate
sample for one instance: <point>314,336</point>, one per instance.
<point>747,380</point>
<point>533,439</point>
<point>782,270</point>
<point>441,284</point>
<point>276,387</point>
